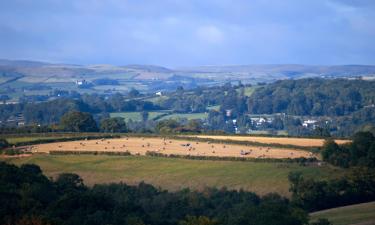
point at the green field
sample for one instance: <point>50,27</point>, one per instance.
<point>15,139</point>
<point>361,214</point>
<point>214,107</point>
<point>174,174</point>
<point>136,116</point>
<point>188,116</point>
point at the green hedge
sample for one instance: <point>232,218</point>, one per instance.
<point>228,158</point>
<point>125,153</point>
<point>250,143</point>
<point>44,141</point>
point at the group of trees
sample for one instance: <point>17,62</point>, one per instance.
<point>172,126</point>
<point>29,197</point>
<point>315,97</point>
<point>75,121</point>
<point>50,112</point>
<point>357,186</point>
<point>360,152</point>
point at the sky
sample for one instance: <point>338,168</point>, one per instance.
<point>180,33</point>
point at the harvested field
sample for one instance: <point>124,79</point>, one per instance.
<point>140,145</point>
<point>303,142</point>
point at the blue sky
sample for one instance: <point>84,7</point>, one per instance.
<point>177,33</point>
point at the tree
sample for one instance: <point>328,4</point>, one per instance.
<point>3,143</point>
<point>78,122</point>
<point>133,93</point>
<point>69,181</point>
<point>194,220</point>
<point>321,221</point>
<point>144,115</point>
<point>113,125</point>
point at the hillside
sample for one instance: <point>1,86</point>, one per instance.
<point>18,76</point>
<point>360,214</point>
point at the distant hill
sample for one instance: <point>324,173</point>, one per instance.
<point>15,75</point>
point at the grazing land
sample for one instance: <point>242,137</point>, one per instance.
<point>17,139</point>
<point>304,142</point>
<point>360,214</point>
<point>174,174</point>
<point>136,116</point>
<point>188,116</point>
<point>141,145</point>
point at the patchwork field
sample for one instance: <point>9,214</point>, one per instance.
<point>140,145</point>
<point>173,174</point>
<point>304,142</point>
<point>360,214</point>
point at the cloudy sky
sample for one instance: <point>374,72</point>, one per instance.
<point>177,33</point>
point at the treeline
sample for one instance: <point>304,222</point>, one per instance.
<point>360,152</point>
<point>358,186</point>
<point>314,97</point>
<point>29,197</point>
<point>50,112</point>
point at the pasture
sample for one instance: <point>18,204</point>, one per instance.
<point>141,145</point>
<point>303,142</point>
<point>17,139</point>
<point>360,214</point>
<point>136,116</point>
<point>174,174</point>
<point>188,116</point>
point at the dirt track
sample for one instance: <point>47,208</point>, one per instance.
<point>139,145</point>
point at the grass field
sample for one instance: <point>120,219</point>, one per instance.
<point>304,142</point>
<point>174,174</point>
<point>361,214</point>
<point>189,116</point>
<point>214,107</point>
<point>136,116</point>
<point>15,139</point>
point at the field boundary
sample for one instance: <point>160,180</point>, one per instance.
<point>114,153</point>
<point>63,139</point>
<point>247,143</point>
<point>301,160</point>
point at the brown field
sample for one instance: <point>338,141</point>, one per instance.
<point>139,145</point>
<point>303,142</point>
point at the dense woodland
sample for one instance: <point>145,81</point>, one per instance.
<point>315,97</point>
<point>360,152</point>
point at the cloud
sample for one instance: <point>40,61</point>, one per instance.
<point>210,34</point>
<point>189,32</point>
